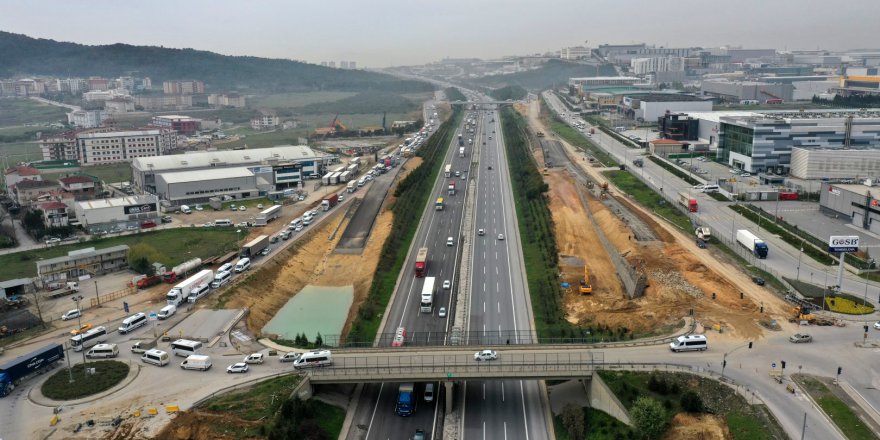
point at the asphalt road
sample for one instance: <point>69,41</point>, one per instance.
<point>374,417</point>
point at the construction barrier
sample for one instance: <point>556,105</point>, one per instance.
<point>54,420</point>
<point>172,409</point>
<point>152,411</point>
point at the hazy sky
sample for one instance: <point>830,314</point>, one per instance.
<point>378,33</point>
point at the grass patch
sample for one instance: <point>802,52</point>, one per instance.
<point>21,151</point>
<point>294,99</point>
<point>575,137</point>
<point>599,426</point>
<point>110,173</point>
<point>174,246</point>
<point>107,374</point>
<point>838,411</point>
<point>18,111</point>
<point>412,194</point>
<point>674,170</point>
<point>649,198</point>
<point>259,402</point>
<point>453,94</point>
<point>332,418</point>
<point>848,306</point>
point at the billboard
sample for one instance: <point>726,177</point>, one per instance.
<point>843,243</point>
<point>141,208</point>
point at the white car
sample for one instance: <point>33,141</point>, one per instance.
<point>53,240</point>
<point>259,206</point>
<point>239,367</point>
<point>877,325</point>
<point>242,208</point>
<point>298,228</point>
<point>485,355</point>
<point>501,236</point>
<point>256,358</point>
<point>199,208</point>
<point>447,284</point>
<point>481,232</point>
<point>75,313</point>
<point>442,312</point>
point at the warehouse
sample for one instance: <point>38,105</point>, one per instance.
<point>856,203</point>
<point>835,163</point>
<point>193,187</point>
<point>287,165</point>
<point>651,106</point>
<point>118,214</point>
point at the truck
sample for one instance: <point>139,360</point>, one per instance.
<point>16,371</point>
<point>145,282</point>
<point>461,152</point>
<point>57,290</point>
<point>451,188</point>
<point>326,178</point>
<point>177,272</point>
<point>329,202</point>
<point>426,305</point>
<point>267,215</point>
<point>421,262</point>
<point>703,233</point>
<point>387,162</point>
<point>406,405</point>
<point>254,247</point>
<point>751,242</point>
<point>686,200</point>
<point>178,294</point>
<point>460,141</point>
<point>352,186</point>
<point>345,176</point>
<point>448,170</point>
<point>215,203</point>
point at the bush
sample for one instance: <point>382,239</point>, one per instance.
<point>107,374</point>
<point>573,421</point>
<point>691,402</point>
<point>648,417</point>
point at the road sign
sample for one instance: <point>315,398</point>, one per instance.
<point>773,365</point>
<point>843,243</point>
<point>153,316</point>
<point>450,374</point>
<point>125,306</point>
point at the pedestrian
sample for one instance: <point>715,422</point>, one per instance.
<point>508,342</point>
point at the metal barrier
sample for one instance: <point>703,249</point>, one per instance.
<point>111,296</point>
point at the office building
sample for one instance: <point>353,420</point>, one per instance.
<point>87,118</point>
<point>265,122</point>
<point>182,124</point>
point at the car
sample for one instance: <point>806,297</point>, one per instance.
<point>131,228</point>
<point>298,228</point>
<point>457,173</point>
<point>701,244</point>
<point>490,167</point>
<point>419,435</point>
<point>255,358</point>
<point>481,232</point>
<point>447,284</point>
<point>75,313</point>
<point>148,224</point>
<point>442,312</point>
<point>501,236</point>
<point>266,251</point>
<point>259,206</point>
<point>745,175</point>
<point>85,327</point>
<point>289,356</point>
<point>242,225</point>
<point>301,198</point>
<point>199,208</point>
<point>139,347</point>
<point>53,240</point>
<point>758,280</point>
<point>208,225</point>
<point>490,138</point>
<point>340,198</point>
<point>733,171</point>
<point>798,338</point>
<point>242,208</point>
<point>233,207</point>
<point>239,367</point>
<point>166,219</point>
<point>485,355</point>
<point>877,325</point>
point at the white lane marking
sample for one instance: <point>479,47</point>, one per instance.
<point>499,306</point>
<point>484,390</point>
<point>375,407</point>
<point>522,393</point>
<point>505,423</point>
<point>484,307</point>
<point>484,430</point>
<point>502,397</point>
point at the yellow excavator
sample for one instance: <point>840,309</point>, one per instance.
<point>586,287</point>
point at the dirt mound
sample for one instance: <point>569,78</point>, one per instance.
<point>686,426</point>
<point>203,425</point>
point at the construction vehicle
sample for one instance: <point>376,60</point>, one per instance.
<point>703,233</point>
<point>145,282</point>
<point>586,286</point>
<point>540,134</point>
<point>805,315</point>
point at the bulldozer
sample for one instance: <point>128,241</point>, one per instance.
<point>803,314</point>
<point>586,287</point>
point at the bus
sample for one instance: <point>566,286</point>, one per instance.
<point>448,171</point>
<point>185,347</point>
<point>90,338</point>
<point>439,205</point>
<point>427,303</point>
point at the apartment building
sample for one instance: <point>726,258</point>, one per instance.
<point>265,122</point>
<point>122,146</point>
<point>183,87</point>
<point>229,100</point>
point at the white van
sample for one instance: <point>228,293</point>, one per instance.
<point>132,322</point>
<point>196,362</point>
<point>156,357</point>
<point>221,279</point>
<point>321,358</point>
<point>185,209</point>
<point>185,347</point>
<point>242,265</point>
<point>166,311</point>
<point>226,268</point>
<point>223,222</point>
<point>450,242</point>
<point>103,351</point>
<point>710,188</point>
<point>689,343</point>
<point>296,222</point>
<point>198,292</point>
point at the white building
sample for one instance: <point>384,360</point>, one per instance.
<point>184,187</point>
<point>228,100</point>
<point>644,66</point>
<point>118,213</point>
<point>265,122</point>
<point>123,146</point>
<point>101,95</point>
<point>835,163</point>
<point>87,118</point>
<point>575,53</point>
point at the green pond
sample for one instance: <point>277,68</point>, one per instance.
<point>315,309</point>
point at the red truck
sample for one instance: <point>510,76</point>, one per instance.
<point>788,195</point>
<point>421,262</point>
<point>145,282</point>
<point>684,199</point>
<point>451,190</point>
<point>329,202</point>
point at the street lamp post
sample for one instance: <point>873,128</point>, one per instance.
<point>77,299</point>
<point>799,263</point>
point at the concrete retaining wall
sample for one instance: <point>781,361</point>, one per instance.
<point>603,399</point>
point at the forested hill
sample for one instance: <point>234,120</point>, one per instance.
<point>21,54</point>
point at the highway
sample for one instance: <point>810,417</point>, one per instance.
<point>374,417</point>
<point>499,300</point>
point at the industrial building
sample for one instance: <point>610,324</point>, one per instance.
<point>651,106</point>
<point>116,214</point>
<point>183,187</point>
<point>82,262</point>
<point>737,91</point>
<point>835,163</point>
<point>182,124</point>
<point>860,81</point>
<point>764,141</point>
<point>281,167</point>
<point>858,203</point>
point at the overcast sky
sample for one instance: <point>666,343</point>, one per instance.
<point>379,33</point>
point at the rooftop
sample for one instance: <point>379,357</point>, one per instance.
<point>126,133</point>
<point>665,142</point>
<point>23,170</point>
<point>118,201</point>
<point>36,184</point>
<point>75,179</point>
<point>202,175</point>
<point>664,97</point>
<point>53,205</point>
<point>81,256</point>
<point>606,78</point>
<point>206,159</point>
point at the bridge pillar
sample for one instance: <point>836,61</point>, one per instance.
<point>449,387</point>
<point>304,390</point>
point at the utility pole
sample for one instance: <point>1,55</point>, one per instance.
<point>804,428</point>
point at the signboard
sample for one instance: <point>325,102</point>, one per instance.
<point>142,208</point>
<point>843,243</point>
<point>833,190</point>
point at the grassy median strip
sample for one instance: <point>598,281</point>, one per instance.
<point>412,193</point>
<point>836,409</point>
<point>576,138</point>
<point>107,375</point>
<point>648,198</point>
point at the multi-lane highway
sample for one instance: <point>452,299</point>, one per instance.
<point>498,299</point>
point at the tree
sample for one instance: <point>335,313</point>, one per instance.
<point>33,223</point>
<point>319,341</point>
<point>141,256</point>
<point>648,417</point>
<point>573,421</point>
<point>691,402</point>
<point>38,306</point>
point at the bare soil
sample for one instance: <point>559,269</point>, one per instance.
<point>686,426</point>
<point>679,278</point>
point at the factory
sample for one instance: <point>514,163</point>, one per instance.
<point>193,178</point>
<point>117,214</point>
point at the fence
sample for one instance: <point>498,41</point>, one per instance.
<point>107,297</point>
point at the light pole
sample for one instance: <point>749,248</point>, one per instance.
<point>724,360</point>
<point>77,299</point>
<point>799,263</point>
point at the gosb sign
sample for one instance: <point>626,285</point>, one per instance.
<point>843,243</point>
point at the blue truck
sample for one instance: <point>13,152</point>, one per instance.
<point>14,372</point>
<point>406,401</point>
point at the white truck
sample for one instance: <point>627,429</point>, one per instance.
<point>352,186</point>
<point>750,241</point>
<point>268,215</point>
<point>703,233</point>
<point>461,152</point>
<point>178,294</point>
